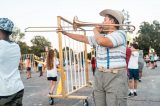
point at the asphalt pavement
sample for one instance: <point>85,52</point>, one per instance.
<point>37,88</point>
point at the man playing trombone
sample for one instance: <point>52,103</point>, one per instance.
<point>110,80</point>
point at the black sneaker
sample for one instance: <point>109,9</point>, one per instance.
<point>50,93</point>
<point>135,93</point>
<point>130,94</point>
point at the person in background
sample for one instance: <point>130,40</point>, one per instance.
<point>147,60</point>
<point>93,62</point>
<point>140,64</point>
<point>155,60</point>
<point>151,55</point>
<point>133,70</point>
<point>40,67</point>
<point>128,55</point>
<point>52,64</point>
<point>11,85</point>
<point>20,67</point>
<point>28,67</point>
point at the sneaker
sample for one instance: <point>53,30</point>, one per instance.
<point>135,93</point>
<point>130,94</point>
<point>50,93</point>
<point>140,80</point>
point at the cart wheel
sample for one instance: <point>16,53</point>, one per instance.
<point>85,102</point>
<point>51,101</point>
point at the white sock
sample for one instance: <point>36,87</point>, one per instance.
<point>134,90</point>
<point>131,90</point>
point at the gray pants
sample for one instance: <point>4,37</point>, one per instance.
<point>110,89</point>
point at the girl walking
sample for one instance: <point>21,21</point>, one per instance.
<point>52,64</point>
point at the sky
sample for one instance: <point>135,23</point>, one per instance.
<point>30,13</point>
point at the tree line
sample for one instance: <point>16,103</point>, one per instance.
<point>149,36</point>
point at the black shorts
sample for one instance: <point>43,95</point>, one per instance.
<point>133,74</point>
<point>39,68</point>
<point>52,78</point>
<point>28,68</point>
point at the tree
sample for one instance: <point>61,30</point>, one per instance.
<point>149,36</point>
<point>38,45</point>
<point>25,49</point>
<point>17,36</point>
<point>126,19</point>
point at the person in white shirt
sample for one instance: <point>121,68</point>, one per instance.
<point>133,70</point>
<point>11,86</point>
<point>52,64</point>
<point>155,59</point>
<point>40,67</point>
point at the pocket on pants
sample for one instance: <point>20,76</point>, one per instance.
<point>122,91</point>
<point>121,95</point>
<point>122,101</point>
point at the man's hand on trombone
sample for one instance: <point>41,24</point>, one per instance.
<point>60,29</point>
<point>98,29</point>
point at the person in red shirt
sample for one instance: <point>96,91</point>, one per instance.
<point>93,62</point>
<point>128,55</point>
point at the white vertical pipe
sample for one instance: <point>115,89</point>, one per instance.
<point>70,66</point>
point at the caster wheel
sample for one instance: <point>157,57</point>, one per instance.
<point>85,102</point>
<point>51,101</point>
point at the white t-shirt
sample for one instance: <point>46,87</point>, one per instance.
<point>53,72</point>
<point>155,57</point>
<point>10,80</point>
<point>133,61</point>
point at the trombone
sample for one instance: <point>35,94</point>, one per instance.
<point>78,24</point>
<point>54,29</point>
<point>51,29</point>
<point>46,29</point>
